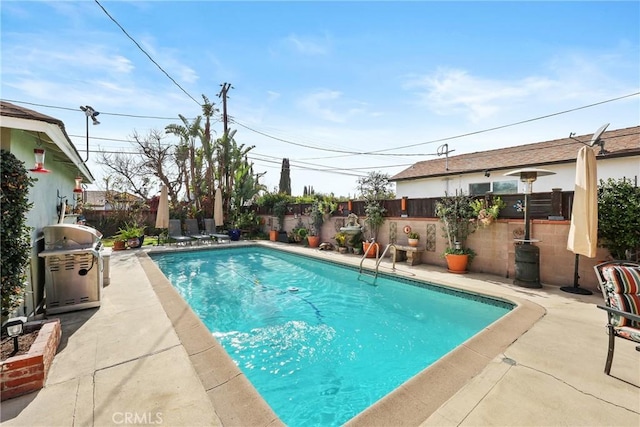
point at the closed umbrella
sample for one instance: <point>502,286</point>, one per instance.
<point>583,233</point>
<point>162,216</point>
<point>218,215</point>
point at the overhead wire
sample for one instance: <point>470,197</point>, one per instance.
<point>386,150</point>
<point>104,113</point>
<point>145,52</point>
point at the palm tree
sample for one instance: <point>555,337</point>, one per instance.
<point>188,132</point>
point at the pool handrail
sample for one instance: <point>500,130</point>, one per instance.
<point>378,256</point>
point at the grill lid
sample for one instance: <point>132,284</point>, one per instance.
<point>70,236</point>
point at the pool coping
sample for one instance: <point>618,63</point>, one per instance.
<point>237,402</point>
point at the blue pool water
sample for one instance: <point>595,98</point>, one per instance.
<point>319,342</point>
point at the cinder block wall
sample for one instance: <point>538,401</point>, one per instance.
<point>494,245</point>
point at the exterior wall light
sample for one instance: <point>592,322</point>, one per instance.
<point>89,113</point>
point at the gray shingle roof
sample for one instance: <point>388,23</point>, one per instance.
<point>12,110</point>
<point>617,143</point>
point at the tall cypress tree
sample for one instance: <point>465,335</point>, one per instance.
<point>285,178</point>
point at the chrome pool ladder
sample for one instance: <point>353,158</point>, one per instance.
<point>378,256</point>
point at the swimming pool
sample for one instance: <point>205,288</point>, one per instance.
<point>323,352</point>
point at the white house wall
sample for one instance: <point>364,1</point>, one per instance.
<point>564,178</point>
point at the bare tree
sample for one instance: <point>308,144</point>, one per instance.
<point>155,159</point>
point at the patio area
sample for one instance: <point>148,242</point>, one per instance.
<point>143,357</point>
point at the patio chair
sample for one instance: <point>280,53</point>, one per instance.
<point>620,285</point>
<point>175,232</point>
<point>194,231</point>
<point>210,229</point>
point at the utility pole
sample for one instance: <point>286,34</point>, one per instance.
<point>225,173</point>
<point>223,95</point>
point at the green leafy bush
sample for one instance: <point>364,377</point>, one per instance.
<point>619,217</point>
<point>15,241</point>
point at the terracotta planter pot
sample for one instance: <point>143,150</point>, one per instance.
<point>119,245</point>
<point>314,241</point>
<point>371,253</point>
<point>273,235</point>
<point>457,263</point>
<point>413,242</point>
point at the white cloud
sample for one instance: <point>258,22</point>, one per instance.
<point>308,45</point>
<point>320,103</point>
<point>451,91</point>
<point>272,96</point>
<point>567,80</point>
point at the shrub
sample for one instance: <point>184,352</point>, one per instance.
<point>15,240</point>
<point>619,217</point>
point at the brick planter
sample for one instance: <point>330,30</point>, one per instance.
<point>28,372</point>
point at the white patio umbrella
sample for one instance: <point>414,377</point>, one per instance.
<point>162,216</point>
<point>583,233</point>
<point>218,214</point>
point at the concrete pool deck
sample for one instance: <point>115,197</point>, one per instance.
<point>143,357</point>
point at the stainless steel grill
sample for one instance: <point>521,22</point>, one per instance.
<point>73,267</point>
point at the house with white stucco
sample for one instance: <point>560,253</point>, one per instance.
<point>618,156</point>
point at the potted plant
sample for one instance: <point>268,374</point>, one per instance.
<point>487,209</point>
<point>356,243</point>
<point>316,218</point>
<point>413,238</point>
<point>132,234</point>
<point>341,240</point>
<point>457,216</point>
<point>280,211</point>
<point>374,188</point>
<point>118,243</point>
<point>299,233</point>
<point>317,212</point>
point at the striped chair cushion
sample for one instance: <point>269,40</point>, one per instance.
<point>629,333</point>
<point>623,289</point>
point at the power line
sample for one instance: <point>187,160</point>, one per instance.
<point>101,112</point>
<point>386,150</point>
<point>145,52</point>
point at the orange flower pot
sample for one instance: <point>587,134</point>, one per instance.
<point>457,263</point>
<point>314,241</point>
<point>371,253</point>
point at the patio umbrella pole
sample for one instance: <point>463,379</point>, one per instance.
<point>576,289</point>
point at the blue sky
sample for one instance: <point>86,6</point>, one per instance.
<point>315,79</point>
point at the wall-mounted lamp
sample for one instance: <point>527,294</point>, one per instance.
<point>89,112</point>
<point>14,330</point>
<point>39,167</point>
<point>78,188</point>
<point>487,173</point>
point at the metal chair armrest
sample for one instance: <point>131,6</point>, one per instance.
<point>631,316</point>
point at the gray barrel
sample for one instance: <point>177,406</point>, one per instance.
<point>527,266</point>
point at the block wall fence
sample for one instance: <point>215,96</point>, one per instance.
<point>494,245</point>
